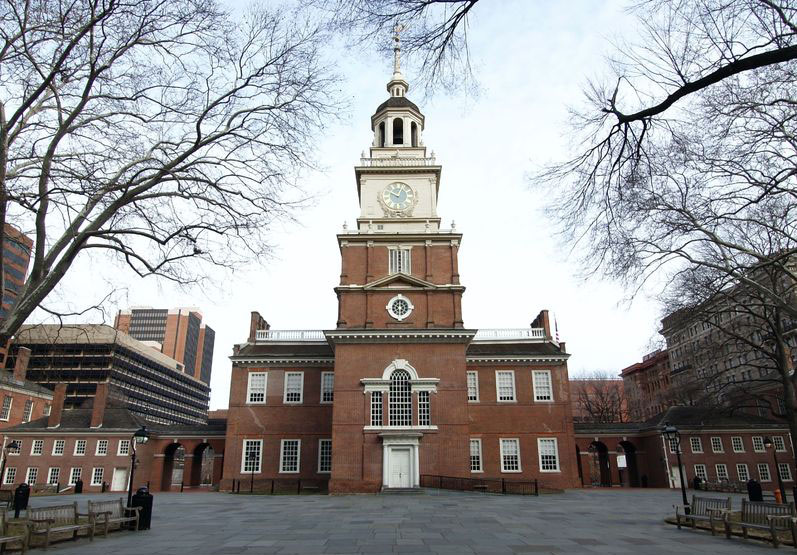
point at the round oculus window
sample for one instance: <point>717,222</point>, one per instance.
<point>399,307</point>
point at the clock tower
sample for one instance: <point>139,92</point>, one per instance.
<point>400,374</point>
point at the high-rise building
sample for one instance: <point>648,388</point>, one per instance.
<point>151,384</point>
<point>178,333</point>
<point>16,257</point>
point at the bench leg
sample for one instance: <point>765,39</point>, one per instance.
<point>727,529</point>
<point>138,517</point>
<point>711,524</point>
<point>47,540</point>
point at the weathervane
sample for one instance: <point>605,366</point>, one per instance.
<point>398,29</point>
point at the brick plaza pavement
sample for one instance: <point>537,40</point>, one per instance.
<point>578,521</point>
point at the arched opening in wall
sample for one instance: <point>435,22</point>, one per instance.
<point>380,139</point>
<point>600,472</point>
<point>629,476</point>
<point>414,133</point>
<point>400,399</point>
<point>173,464</point>
<point>398,131</point>
<point>202,466</point>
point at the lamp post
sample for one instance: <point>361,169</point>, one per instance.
<point>139,438</point>
<point>250,459</point>
<point>6,448</point>
<point>671,434</point>
<point>769,444</point>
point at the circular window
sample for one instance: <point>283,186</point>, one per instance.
<point>399,307</point>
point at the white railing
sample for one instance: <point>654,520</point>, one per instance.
<point>289,335</point>
<point>509,333</point>
<point>394,161</point>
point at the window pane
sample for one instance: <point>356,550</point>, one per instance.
<point>742,472</point>
<point>506,386</point>
<point>549,455</point>
<point>475,455</point>
<point>251,460</point>
<point>325,455</point>
<point>289,457</point>
<point>327,386</point>
<point>376,408</point>
<point>400,399</point>
<point>424,409</point>
<point>257,387</point>
<point>510,455</point>
<point>293,387</point>
<point>473,386</point>
<point>542,385</point>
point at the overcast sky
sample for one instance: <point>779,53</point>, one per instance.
<point>532,59</point>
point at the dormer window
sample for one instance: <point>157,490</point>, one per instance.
<point>400,261</point>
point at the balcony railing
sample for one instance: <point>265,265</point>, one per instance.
<point>509,333</point>
<point>391,162</point>
<point>289,335</point>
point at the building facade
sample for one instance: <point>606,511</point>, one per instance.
<point>401,388</point>
<point>716,447</point>
<point>179,333</point>
<point>647,386</point>
<point>16,258</point>
<point>22,400</point>
<point>150,384</point>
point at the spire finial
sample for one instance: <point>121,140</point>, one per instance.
<point>397,30</point>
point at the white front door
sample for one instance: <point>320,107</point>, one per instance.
<point>400,468</point>
<point>119,482</point>
<point>675,477</point>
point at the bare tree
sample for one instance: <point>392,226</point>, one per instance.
<point>165,133</point>
<point>599,397</point>
<point>432,31</point>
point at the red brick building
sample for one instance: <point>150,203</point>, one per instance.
<point>94,443</point>
<point>715,446</point>
<point>21,400</point>
<point>647,386</point>
<point>401,388</point>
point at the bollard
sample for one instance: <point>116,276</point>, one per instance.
<point>778,496</point>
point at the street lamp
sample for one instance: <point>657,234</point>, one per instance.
<point>140,437</point>
<point>769,444</point>
<point>6,449</point>
<point>250,459</point>
<point>671,434</point>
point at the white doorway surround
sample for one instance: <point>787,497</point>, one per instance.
<point>400,461</point>
<point>119,481</point>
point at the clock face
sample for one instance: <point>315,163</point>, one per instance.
<point>398,196</point>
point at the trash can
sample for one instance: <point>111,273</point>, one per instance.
<point>754,490</point>
<point>21,496</point>
<point>79,486</point>
<point>143,499</point>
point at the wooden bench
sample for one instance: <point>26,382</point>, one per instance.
<point>765,516</point>
<point>708,509</point>
<point>7,537</point>
<point>106,513</point>
<point>46,521</point>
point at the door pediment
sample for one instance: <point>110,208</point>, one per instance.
<point>400,281</point>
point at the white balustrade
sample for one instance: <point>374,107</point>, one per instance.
<point>509,333</point>
<point>289,335</point>
<point>390,162</point>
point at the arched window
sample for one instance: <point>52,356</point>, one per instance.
<point>400,400</point>
<point>398,131</point>
<point>414,133</point>
<point>381,137</point>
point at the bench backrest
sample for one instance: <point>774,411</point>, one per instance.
<point>6,495</point>
<point>755,512</point>
<point>116,508</point>
<point>701,505</point>
<point>61,514</point>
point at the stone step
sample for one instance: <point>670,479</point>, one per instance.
<point>402,491</point>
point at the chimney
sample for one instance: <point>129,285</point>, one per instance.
<point>21,365</point>
<point>54,420</point>
<point>98,407</point>
<point>542,321</point>
<point>256,323</point>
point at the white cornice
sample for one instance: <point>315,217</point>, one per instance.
<point>516,359</point>
<point>401,336</point>
<point>254,360</point>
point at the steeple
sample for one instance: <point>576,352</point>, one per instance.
<point>397,86</point>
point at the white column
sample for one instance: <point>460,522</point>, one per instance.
<point>407,132</point>
<point>388,131</point>
<point>385,465</point>
<point>416,470</point>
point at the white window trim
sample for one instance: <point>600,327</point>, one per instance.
<point>539,454</point>
<point>763,449</point>
<point>320,441</point>
<point>249,388</point>
<point>5,476</point>
<point>481,456</point>
<point>733,447</point>
<point>63,450</point>
<point>501,449</point>
<point>321,398</point>
<point>747,470</point>
<point>783,442</point>
<point>476,374</point>
<point>33,448</point>
<point>722,445</point>
<point>769,471</point>
<point>717,472</point>
<point>534,385</point>
<point>298,456</point>
<point>393,271</point>
<point>93,473</point>
<point>50,475</point>
<point>10,406</point>
<point>692,445</point>
<point>498,390</point>
<point>119,448</point>
<point>85,447</point>
<point>97,448</point>
<point>705,471</point>
<point>259,459</point>
<point>27,475</point>
<point>72,473</point>
<point>791,474</point>
<point>285,389</point>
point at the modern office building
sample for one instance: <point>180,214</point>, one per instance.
<point>82,356</point>
<point>178,333</point>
